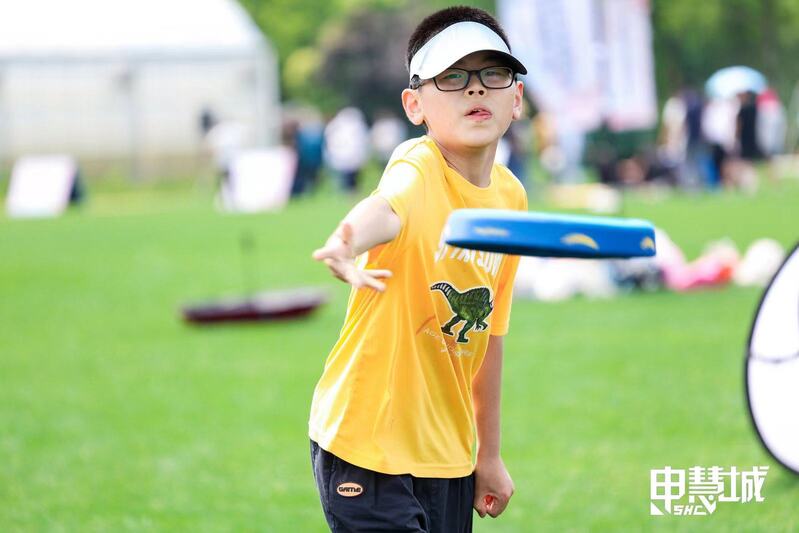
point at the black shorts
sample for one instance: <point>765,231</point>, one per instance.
<point>355,499</point>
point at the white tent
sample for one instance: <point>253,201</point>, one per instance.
<point>129,79</point>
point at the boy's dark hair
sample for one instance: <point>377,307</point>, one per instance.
<point>440,20</point>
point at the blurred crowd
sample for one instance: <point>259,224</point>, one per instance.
<point>716,142</point>
<point>346,143</point>
<point>703,143</point>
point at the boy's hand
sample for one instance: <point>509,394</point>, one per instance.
<point>493,487</point>
<point>338,255</point>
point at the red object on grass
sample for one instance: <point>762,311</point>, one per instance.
<point>270,305</point>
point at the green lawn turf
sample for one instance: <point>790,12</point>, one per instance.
<point>115,416</point>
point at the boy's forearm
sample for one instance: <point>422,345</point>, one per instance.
<point>486,393</point>
<point>373,222</point>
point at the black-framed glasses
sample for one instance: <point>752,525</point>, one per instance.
<point>457,79</point>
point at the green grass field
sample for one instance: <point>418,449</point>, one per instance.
<point>115,416</point>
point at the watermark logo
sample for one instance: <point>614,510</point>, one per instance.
<point>698,490</point>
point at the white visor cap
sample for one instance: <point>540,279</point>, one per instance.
<point>457,41</point>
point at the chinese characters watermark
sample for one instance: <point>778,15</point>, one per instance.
<point>697,490</point>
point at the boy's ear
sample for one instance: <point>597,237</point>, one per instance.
<point>413,106</point>
<point>518,101</point>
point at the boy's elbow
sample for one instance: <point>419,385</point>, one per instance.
<point>388,220</point>
<point>393,224</point>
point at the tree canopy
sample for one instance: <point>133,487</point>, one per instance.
<point>337,52</point>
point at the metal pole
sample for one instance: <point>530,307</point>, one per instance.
<point>792,117</point>
<point>128,85</point>
<point>266,97</point>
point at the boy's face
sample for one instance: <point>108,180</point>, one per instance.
<point>472,118</point>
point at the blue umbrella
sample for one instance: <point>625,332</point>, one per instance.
<point>733,80</point>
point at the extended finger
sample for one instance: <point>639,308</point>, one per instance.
<point>364,279</point>
<point>377,273</point>
<point>373,283</point>
<point>335,251</point>
<point>322,253</point>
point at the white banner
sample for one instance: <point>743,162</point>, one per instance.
<point>587,60</point>
<point>554,40</point>
<point>630,101</point>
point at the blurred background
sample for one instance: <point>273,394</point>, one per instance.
<point>169,164</point>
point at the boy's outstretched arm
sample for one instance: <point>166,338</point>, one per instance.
<point>493,485</point>
<point>369,223</point>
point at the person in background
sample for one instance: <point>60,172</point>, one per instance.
<point>672,136</point>
<point>309,143</point>
<point>683,149</point>
<point>520,145</point>
<point>718,128</point>
<point>748,148</point>
<point>772,123</point>
<point>347,146</point>
<point>224,140</point>
<point>772,127</point>
<point>571,142</point>
<point>207,121</point>
<point>693,171</point>
<point>746,130</point>
<point>388,132</point>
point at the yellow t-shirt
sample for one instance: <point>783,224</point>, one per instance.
<point>395,395</point>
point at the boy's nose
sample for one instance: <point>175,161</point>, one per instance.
<point>475,86</point>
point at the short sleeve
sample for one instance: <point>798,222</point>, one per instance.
<point>402,186</point>
<point>507,274</point>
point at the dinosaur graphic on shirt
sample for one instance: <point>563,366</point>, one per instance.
<point>473,306</point>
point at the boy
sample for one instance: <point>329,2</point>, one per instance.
<point>417,365</point>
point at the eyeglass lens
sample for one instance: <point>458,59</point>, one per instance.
<point>455,79</point>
